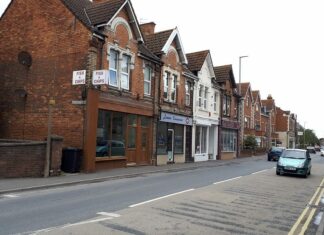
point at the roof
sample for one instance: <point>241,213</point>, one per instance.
<point>155,42</point>
<point>255,95</point>
<point>101,13</point>
<point>244,87</point>
<point>269,104</point>
<point>196,60</point>
<point>147,53</point>
<point>77,7</point>
<point>223,73</point>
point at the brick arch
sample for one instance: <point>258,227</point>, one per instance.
<point>173,57</point>
<point>121,29</point>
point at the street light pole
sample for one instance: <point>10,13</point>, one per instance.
<point>304,135</point>
<point>244,56</point>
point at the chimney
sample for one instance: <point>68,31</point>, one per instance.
<point>269,97</point>
<point>148,28</point>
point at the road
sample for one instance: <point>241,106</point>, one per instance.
<point>245,198</point>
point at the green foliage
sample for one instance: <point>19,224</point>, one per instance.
<point>250,142</point>
<point>309,137</point>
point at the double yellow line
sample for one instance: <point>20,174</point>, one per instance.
<point>300,228</point>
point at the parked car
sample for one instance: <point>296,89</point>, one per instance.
<point>294,161</point>
<point>322,152</point>
<point>311,149</point>
<point>274,153</point>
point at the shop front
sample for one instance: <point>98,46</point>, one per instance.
<point>172,140</point>
<point>229,137</point>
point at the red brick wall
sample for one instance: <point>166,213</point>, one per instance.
<point>58,44</point>
<point>281,121</point>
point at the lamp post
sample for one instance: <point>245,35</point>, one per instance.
<point>240,58</point>
<point>304,135</point>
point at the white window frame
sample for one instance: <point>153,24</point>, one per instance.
<point>215,101</point>
<point>200,96</point>
<point>205,98</point>
<point>173,88</point>
<point>166,82</point>
<point>125,74</point>
<point>170,82</point>
<point>115,70</point>
<point>148,79</point>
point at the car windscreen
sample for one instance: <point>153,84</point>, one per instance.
<point>294,154</point>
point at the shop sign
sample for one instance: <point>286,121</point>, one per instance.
<point>100,77</point>
<point>173,118</point>
<point>230,124</point>
<point>79,77</point>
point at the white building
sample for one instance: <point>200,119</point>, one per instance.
<point>206,107</point>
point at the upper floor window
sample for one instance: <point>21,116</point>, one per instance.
<point>257,107</point>
<point>247,102</point>
<point>119,69</point>
<point>147,80</point>
<point>205,97</point>
<point>215,101</point>
<point>200,96</point>
<point>227,105</point>
<point>170,86</point>
<point>188,89</point>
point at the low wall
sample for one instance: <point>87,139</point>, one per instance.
<point>21,158</point>
<point>252,152</point>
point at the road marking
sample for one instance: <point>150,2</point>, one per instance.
<point>87,222</point>
<point>10,195</point>
<point>259,172</point>
<point>301,217</point>
<point>223,181</point>
<point>155,199</point>
<point>108,214</point>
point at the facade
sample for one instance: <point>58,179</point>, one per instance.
<point>229,130</point>
<point>113,123</point>
<point>247,120</point>
<point>269,107</point>
<point>286,128</point>
<point>206,107</point>
<point>175,97</point>
<point>265,128</point>
<point>260,135</point>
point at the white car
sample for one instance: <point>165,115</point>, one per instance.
<point>322,152</point>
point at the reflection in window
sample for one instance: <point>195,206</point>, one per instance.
<point>229,139</point>
<point>162,138</point>
<point>178,139</point>
<point>201,140</point>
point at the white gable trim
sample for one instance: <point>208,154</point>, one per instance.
<point>175,51</point>
<point>132,17</point>
<point>119,20</point>
<point>210,65</point>
<point>173,35</point>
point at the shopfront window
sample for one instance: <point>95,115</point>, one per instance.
<point>110,134</point>
<point>178,139</point>
<point>132,125</point>
<point>229,139</point>
<point>162,137</point>
<point>201,140</point>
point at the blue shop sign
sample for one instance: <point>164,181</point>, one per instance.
<point>173,118</point>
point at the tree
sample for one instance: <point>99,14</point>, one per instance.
<point>310,138</point>
<point>250,142</point>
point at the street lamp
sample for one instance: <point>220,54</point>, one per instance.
<point>304,134</point>
<point>244,56</point>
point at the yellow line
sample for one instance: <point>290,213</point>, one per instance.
<point>311,214</point>
<point>293,229</point>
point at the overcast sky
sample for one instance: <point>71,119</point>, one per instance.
<point>283,40</point>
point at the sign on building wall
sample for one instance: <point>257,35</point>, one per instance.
<point>100,77</point>
<point>79,77</point>
<point>173,118</point>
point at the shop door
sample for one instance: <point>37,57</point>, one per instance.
<point>170,146</point>
<point>143,150</point>
<point>188,153</point>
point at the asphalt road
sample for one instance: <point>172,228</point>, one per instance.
<point>223,204</point>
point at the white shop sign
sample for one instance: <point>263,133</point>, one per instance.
<point>100,77</point>
<point>79,77</point>
<point>173,118</point>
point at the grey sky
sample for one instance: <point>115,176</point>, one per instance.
<point>282,38</point>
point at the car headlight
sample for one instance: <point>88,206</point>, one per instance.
<point>301,165</point>
<point>279,163</point>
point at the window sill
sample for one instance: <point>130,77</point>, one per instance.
<point>101,159</point>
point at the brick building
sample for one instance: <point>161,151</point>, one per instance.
<point>269,108</point>
<point>260,134</point>
<point>175,97</point>
<point>113,123</point>
<point>229,130</point>
<point>286,124</point>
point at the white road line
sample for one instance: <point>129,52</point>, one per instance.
<point>10,196</point>
<point>259,172</point>
<point>108,214</point>
<point>87,222</point>
<point>155,199</point>
<point>219,182</point>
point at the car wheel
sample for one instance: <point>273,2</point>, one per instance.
<point>277,172</point>
<point>309,172</point>
<point>306,174</point>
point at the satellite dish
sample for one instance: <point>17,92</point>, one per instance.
<point>25,58</point>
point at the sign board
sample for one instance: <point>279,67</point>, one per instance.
<point>100,77</point>
<point>173,118</point>
<point>300,133</point>
<point>79,77</point>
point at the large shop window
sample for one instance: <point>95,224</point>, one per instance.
<point>110,134</point>
<point>229,139</point>
<point>162,137</point>
<point>201,140</point>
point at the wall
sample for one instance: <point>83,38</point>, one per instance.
<point>14,162</point>
<point>58,44</point>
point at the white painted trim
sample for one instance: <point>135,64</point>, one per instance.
<point>119,20</point>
